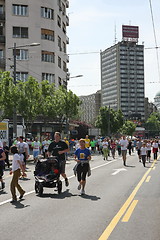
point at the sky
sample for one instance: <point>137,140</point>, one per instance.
<point>94,26</point>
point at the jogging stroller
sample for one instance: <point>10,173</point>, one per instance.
<point>47,174</point>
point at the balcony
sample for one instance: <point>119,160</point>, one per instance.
<point>2,39</point>
<point>67,58</point>
<point>67,20</point>
<point>67,4</point>
<point>67,40</point>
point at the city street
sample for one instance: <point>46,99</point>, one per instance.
<point>120,203</point>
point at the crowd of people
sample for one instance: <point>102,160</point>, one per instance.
<point>83,149</point>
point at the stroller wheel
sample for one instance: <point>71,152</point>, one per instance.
<point>59,186</point>
<point>36,187</point>
<point>40,190</point>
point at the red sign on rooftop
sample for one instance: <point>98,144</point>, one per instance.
<point>130,33</point>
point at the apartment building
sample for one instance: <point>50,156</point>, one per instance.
<point>90,107</point>
<point>122,78</point>
<point>23,22</point>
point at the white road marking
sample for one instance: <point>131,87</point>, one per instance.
<point>33,191</point>
<point>118,171</point>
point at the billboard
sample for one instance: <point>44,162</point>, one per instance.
<point>130,33</point>
<point>4,131</point>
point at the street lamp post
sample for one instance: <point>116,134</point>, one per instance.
<point>15,47</point>
<point>67,119</point>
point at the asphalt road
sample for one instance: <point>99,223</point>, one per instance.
<point>120,203</point>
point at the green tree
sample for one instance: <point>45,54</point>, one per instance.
<point>47,108</point>
<point>128,128</point>
<point>28,100</point>
<point>108,119</point>
<point>153,124</point>
<point>66,105</point>
<point>8,95</point>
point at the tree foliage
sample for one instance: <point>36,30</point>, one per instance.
<point>128,128</point>
<point>108,119</point>
<point>153,123</point>
<point>33,99</point>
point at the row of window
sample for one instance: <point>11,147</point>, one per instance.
<point>46,34</point>
<point>23,76</point>
<point>22,10</point>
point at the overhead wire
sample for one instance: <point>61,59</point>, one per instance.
<point>155,38</point>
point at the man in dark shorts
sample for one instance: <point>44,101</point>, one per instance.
<point>58,148</point>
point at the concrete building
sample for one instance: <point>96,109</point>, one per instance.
<point>149,108</point>
<point>35,21</point>
<point>122,78</point>
<point>157,101</point>
<point>90,107</point>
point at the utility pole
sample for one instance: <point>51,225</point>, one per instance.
<point>109,121</point>
<point>15,81</point>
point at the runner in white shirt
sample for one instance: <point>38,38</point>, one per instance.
<point>144,154</point>
<point>16,167</point>
<point>149,145</point>
<point>45,145</point>
<point>124,145</point>
<point>36,147</point>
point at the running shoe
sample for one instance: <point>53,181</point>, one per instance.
<point>82,192</point>
<point>21,196</point>
<point>3,185</point>
<point>66,182</point>
<point>79,187</point>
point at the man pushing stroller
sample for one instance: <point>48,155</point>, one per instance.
<point>58,148</point>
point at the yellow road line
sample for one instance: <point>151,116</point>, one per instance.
<point>107,232</point>
<point>148,178</point>
<point>154,168</point>
<point>130,211</point>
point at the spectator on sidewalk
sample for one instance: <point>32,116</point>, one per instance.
<point>6,150</point>
<point>2,164</point>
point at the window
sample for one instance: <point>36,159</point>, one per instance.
<point>47,13</point>
<point>64,66</point>
<point>59,21</point>
<point>59,81</point>
<point>1,9</point>
<point>22,76</point>
<point>64,47</point>
<point>48,76</point>
<point>59,62</point>
<point>59,42</point>
<point>20,32</point>
<point>1,53</point>
<point>21,54</point>
<point>20,10</point>
<point>47,34</point>
<point>64,27</point>
<point>48,56</point>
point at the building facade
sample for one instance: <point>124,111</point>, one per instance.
<point>122,78</point>
<point>90,107</point>
<point>149,108</point>
<point>157,101</point>
<point>25,22</point>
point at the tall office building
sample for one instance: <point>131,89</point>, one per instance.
<point>35,21</point>
<point>122,75</point>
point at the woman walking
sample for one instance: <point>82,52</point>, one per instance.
<point>105,149</point>
<point>155,149</point>
<point>82,157</point>
<point>144,154</point>
<point>149,145</point>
